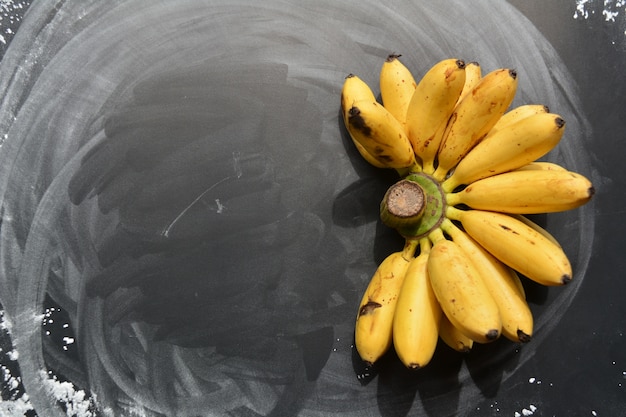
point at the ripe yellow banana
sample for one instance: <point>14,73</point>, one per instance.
<point>511,147</point>
<point>517,114</point>
<point>382,136</point>
<point>396,87</point>
<point>473,74</point>
<point>516,244</point>
<point>430,107</point>
<point>374,322</point>
<point>355,89</point>
<point>453,337</point>
<point>417,315</point>
<point>503,283</point>
<point>461,292</point>
<point>526,192</point>
<point>474,117</point>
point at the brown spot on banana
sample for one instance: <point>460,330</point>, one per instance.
<point>368,308</point>
<point>356,120</point>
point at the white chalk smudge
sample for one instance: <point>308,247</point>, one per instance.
<point>610,9</point>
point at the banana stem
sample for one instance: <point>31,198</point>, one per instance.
<point>415,168</point>
<point>452,199</point>
<point>436,235</point>
<point>454,213</point>
<point>410,247</point>
<point>425,245</point>
<point>450,228</point>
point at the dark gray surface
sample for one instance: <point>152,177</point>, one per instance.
<point>175,180</point>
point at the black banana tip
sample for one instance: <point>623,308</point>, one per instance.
<point>591,191</point>
<point>523,337</point>
<point>513,73</point>
<point>460,63</point>
<point>392,57</point>
<point>559,122</point>
<point>565,279</point>
<point>492,334</point>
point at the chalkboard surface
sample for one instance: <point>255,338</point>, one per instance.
<point>187,229</point>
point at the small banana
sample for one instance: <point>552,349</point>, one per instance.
<point>396,87</point>
<point>518,113</point>
<point>417,315</point>
<point>462,294</point>
<point>380,134</point>
<point>355,89</point>
<point>474,117</point>
<point>430,107</point>
<point>503,283</point>
<point>516,244</point>
<point>453,337</point>
<point>473,74</point>
<point>374,321</point>
<point>511,147</point>
<point>526,192</point>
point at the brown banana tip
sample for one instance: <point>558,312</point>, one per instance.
<point>546,108</point>
<point>513,73</point>
<point>591,191</point>
<point>350,75</point>
<point>523,337</point>
<point>472,63</point>
<point>392,57</point>
<point>465,349</point>
<point>559,122</point>
<point>492,334</point>
<point>565,279</point>
<point>414,366</point>
<point>460,63</point>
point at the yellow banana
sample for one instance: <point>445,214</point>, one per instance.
<point>503,283</point>
<point>474,117</point>
<point>430,107</point>
<point>355,89</point>
<point>541,166</point>
<point>473,74</point>
<point>374,322</point>
<point>396,87</point>
<point>511,147</point>
<point>526,192</point>
<point>517,114</point>
<point>453,337</point>
<point>516,244</point>
<point>461,292</point>
<point>380,134</point>
<point>417,315</point>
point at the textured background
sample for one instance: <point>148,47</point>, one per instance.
<point>186,230</point>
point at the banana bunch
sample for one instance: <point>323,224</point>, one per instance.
<point>470,173</point>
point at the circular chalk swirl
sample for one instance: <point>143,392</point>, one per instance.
<point>143,142</point>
